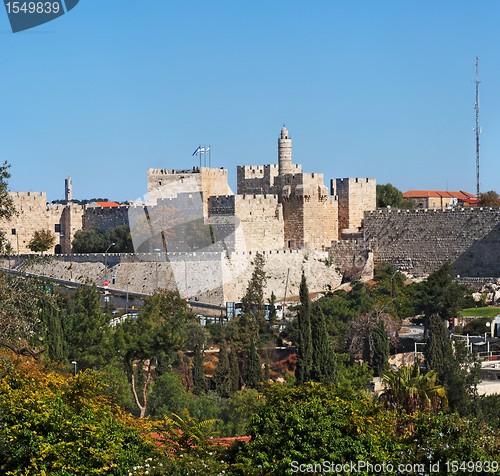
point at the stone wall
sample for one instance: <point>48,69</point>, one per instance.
<point>355,196</point>
<point>105,218</point>
<point>420,241</point>
<point>166,183</point>
<point>352,258</point>
<point>310,214</point>
<point>261,221</point>
<point>34,214</point>
<point>208,277</point>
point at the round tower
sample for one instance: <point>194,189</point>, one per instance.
<point>284,153</point>
<point>68,189</point>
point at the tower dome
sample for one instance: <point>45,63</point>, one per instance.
<point>284,133</point>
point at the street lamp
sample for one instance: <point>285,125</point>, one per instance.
<point>74,363</point>
<point>106,257</point>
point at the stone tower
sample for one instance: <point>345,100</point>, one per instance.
<point>284,153</point>
<point>68,189</point>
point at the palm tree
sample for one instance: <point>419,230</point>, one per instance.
<point>409,390</point>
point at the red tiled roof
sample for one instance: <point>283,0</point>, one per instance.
<point>108,204</point>
<point>461,195</point>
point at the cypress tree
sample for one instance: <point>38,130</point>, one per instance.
<point>253,375</point>
<point>324,363</point>
<point>235,370</point>
<point>222,378</point>
<point>458,380</point>
<point>380,349</point>
<point>253,319</point>
<point>438,350</point>
<point>272,310</point>
<point>51,316</point>
<point>304,344</point>
<point>199,385</point>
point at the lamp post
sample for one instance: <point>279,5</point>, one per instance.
<point>74,363</point>
<point>106,258</point>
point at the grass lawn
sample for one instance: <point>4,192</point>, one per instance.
<point>480,312</point>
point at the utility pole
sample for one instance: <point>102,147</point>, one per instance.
<point>477,126</point>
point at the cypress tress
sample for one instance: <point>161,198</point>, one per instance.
<point>254,367</point>
<point>324,364</point>
<point>198,371</point>
<point>304,344</point>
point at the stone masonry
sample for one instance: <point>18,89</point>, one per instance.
<point>420,241</point>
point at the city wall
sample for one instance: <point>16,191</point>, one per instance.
<point>420,241</point>
<point>206,276</point>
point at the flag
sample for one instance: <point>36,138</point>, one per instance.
<point>207,149</point>
<point>200,150</point>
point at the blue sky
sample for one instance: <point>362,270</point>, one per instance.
<point>366,88</point>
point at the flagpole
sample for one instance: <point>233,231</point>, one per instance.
<point>200,154</point>
<point>209,156</point>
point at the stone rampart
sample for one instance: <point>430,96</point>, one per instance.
<point>105,218</point>
<point>204,276</point>
<point>420,241</point>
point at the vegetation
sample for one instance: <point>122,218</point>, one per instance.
<point>389,196</point>
<point>479,312</point>
<point>489,199</point>
<point>7,209</point>
<point>409,390</point>
<point>92,240</point>
<point>151,377</point>
<point>42,241</point>
<point>304,341</point>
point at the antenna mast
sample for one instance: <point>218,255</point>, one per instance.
<point>476,107</point>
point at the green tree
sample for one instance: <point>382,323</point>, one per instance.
<point>304,342</point>
<point>88,331</point>
<point>89,240</point>
<point>489,199</point>
<point>152,340</point>
<point>388,196</point>
<point>92,240</point>
<point>7,208</point>
<point>324,365</point>
<point>368,333</point>
<point>42,241</point>
<point>62,425</point>
<point>454,366</point>
<point>54,332</point>
<point>314,423</point>
<point>234,374</point>
<point>409,390</point>
<point>199,384</point>
<point>440,294</point>
<point>253,374</point>
<point>253,318</point>
<point>21,320</point>
<point>380,348</point>
<point>222,376</point>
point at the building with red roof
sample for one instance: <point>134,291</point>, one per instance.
<point>440,199</point>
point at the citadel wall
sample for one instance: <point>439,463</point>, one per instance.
<point>105,218</point>
<point>355,196</point>
<point>420,241</point>
<point>167,183</point>
<point>261,220</point>
<point>310,214</point>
